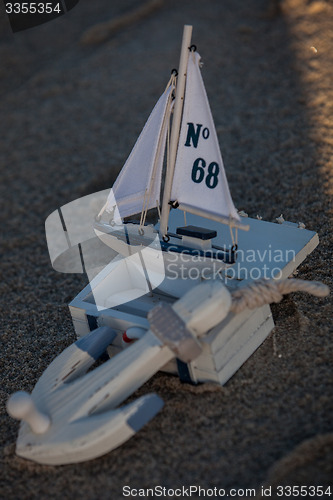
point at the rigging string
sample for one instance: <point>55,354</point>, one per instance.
<point>234,237</point>
<point>172,80</point>
<point>98,217</point>
<point>158,209</point>
<point>168,145</point>
<point>144,211</point>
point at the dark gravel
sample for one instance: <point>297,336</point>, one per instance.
<point>69,116</point>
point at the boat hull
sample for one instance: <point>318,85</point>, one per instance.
<point>229,344</point>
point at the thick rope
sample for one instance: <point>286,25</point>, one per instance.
<point>265,291</point>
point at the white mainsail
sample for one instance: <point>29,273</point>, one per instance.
<point>137,187</point>
<point>199,178</point>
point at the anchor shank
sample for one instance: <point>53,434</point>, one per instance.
<point>122,375</point>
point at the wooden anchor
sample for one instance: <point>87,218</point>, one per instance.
<point>72,416</point>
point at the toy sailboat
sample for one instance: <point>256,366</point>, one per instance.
<point>195,180</point>
<point>139,305</point>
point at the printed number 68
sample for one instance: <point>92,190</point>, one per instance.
<point>198,173</point>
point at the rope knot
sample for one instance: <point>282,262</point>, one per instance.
<point>266,291</point>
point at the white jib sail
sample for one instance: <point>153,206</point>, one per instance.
<point>138,183</point>
<point>199,178</point>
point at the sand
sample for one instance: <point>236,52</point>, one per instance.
<point>70,113</point>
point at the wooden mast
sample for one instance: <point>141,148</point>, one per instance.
<point>176,122</point>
